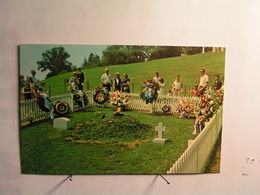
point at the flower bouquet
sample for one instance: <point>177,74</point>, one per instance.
<point>209,104</point>
<point>119,100</point>
<point>186,109</point>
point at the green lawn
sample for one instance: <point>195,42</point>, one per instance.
<point>44,150</point>
<point>186,66</point>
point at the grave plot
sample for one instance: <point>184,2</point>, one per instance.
<point>85,149</point>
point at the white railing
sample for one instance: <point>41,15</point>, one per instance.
<point>195,157</point>
<point>30,111</point>
<point>137,104</point>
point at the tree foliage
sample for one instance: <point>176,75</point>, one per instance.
<point>92,61</point>
<point>122,54</point>
<point>55,61</point>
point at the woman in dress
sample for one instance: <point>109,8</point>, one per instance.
<point>177,86</point>
<point>161,86</point>
<point>125,84</point>
<point>73,83</point>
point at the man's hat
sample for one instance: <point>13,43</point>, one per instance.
<point>202,70</point>
<point>106,68</point>
<point>117,72</point>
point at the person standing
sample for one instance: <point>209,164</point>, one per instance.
<point>81,78</point>
<point>177,86</point>
<point>73,83</point>
<point>126,84</point>
<point>204,80</point>
<point>34,80</point>
<point>117,82</point>
<point>27,91</point>
<point>157,78</point>
<point>161,86</point>
<point>106,80</point>
<point>218,84</point>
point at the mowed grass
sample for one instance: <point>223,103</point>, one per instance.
<point>44,149</point>
<point>186,66</point>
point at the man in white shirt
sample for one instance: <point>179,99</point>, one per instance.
<point>204,80</point>
<point>106,80</point>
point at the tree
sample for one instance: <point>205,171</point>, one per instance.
<point>93,61</point>
<point>55,60</point>
<point>122,54</point>
<point>159,52</point>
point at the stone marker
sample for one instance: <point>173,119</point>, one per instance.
<point>160,128</point>
<point>62,123</point>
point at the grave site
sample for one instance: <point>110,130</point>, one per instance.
<point>143,131</point>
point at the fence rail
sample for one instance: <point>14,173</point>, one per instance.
<point>137,104</point>
<point>29,110</point>
<point>194,158</point>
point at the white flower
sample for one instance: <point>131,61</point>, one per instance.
<point>211,102</point>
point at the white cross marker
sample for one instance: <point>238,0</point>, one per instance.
<point>160,128</point>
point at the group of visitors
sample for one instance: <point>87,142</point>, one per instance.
<point>32,86</point>
<point>76,82</point>
<point>203,85</point>
<point>123,85</point>
<point>177,86</point>
<point>116,84</point>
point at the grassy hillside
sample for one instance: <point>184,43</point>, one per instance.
<point>186,66</point>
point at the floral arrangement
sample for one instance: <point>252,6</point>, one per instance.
<point>209,104</point>
<point>186,109</point>
<point>119,99</point>
<point>61,108</point>
<point>150,91</point>
<point>194,91</point>
<point>101,96</point>
<point>166,109</point>
<point>80,98</point>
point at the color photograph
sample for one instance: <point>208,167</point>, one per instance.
<point>120,109</point>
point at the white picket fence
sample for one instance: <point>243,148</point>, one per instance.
<point>29,110</point>
<point>137,104</point>
<point>195,157</point>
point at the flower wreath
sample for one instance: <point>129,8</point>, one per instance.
<point>80,98</point>
<point>61,108</point>
<point>101,96</point>
<point>166,109</point>
<point>149,92</point>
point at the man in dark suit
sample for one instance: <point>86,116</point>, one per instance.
<point>81,77</point>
